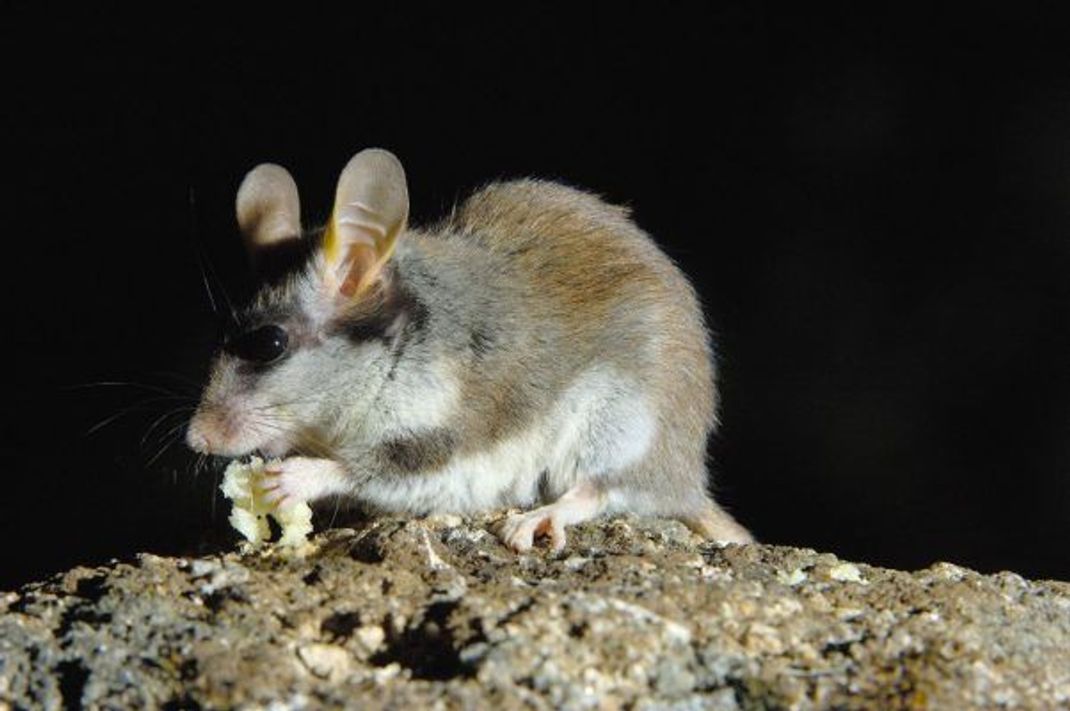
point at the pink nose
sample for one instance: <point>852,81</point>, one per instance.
<point>196,439</point>
<point>204,433</point>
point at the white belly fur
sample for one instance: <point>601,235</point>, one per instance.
<point>602,423</point>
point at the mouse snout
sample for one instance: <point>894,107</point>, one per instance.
<point>197,440</point>
<point>207,431</point>
<point>224,429</point>
<point>196,436</point>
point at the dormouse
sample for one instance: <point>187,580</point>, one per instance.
<point>534,349</point>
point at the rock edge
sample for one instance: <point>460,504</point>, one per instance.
<point>634,614</point>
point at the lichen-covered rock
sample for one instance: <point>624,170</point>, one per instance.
<point>437,614</point>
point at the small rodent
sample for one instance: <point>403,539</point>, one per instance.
<point>534,349</point>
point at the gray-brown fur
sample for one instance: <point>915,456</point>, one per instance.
<point>417,453</point>
<point>603,291</point>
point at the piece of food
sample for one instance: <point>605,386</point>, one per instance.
<point>243,485</point>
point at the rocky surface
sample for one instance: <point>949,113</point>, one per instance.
<point>634,614</point>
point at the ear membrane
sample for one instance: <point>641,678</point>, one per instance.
<point>269,210</point>
<point>371,207</point>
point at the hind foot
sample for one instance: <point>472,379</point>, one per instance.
<point>580,503</point>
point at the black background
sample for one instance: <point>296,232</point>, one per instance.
<point>876,210</point>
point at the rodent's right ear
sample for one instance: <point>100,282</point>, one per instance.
<point>269,210</point>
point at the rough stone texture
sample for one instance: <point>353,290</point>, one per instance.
<point>437,614</point>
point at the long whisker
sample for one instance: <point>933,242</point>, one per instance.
<point>126,384</point>
<point>205,263</point>
<point>193,465</point>
<point>199,465</point>
<point>172,431</point>
<point>200,260</point>
<point>161,450</point>
<point>159,420</point>
<point>125,411</point>
<point>184,380</point>
<point>208,290</point>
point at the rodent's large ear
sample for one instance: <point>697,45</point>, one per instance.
<point>269,210</point>
<point>371,207</point>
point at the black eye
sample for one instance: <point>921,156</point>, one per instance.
<point>262,345</point>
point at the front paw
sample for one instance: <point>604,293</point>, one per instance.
<point>299,479</point>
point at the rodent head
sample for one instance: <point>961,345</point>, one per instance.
<point>317,341</point>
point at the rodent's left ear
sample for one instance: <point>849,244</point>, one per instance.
<point>371,207</point>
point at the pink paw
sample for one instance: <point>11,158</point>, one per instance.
<point>299,479</point>
<point>580,503</point>
<point>519,531</point>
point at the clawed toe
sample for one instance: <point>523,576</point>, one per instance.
<point>520,531</point>
<point>580,503</point>
<point>275,496</point>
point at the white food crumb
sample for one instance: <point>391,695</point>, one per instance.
<point>243,485</point>
<point>795,577</point>
<point>847,573</point>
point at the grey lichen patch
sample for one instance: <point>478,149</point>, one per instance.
<point>634,614</point>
